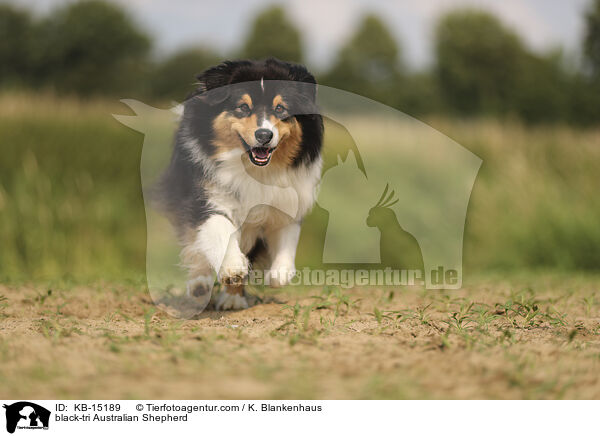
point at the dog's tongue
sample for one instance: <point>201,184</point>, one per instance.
<point>261,152</point>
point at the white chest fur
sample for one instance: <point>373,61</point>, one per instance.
<point>271,198</point>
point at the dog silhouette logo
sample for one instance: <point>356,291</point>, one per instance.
<point>26,415</point>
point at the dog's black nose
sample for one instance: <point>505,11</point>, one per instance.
<point>263,135</point>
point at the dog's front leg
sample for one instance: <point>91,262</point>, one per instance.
<point>218,239</point>
<point>282,246</point>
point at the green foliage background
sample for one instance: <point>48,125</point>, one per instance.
<point>70,195</point>
<point>71,203</point>
<point>481,68</point>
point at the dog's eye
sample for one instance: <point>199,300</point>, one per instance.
<point>279,109</point>
<point>243,108</point>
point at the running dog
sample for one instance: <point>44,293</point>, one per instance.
<point>245,170</point>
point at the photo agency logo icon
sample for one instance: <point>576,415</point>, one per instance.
<point>390,210</point>
<point>25,415</point>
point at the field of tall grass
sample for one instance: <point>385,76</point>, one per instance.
<point>70,200</point>
<point>71,203</point>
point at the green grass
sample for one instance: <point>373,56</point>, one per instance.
<point>71,205</point>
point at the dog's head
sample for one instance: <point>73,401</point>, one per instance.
<point>266,108</point>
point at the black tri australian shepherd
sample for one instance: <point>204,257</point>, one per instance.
<point>244,172</point>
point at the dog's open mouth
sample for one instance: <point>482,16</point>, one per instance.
<point>260,155</point>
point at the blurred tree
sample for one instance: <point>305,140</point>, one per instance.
<point>175,77</point>
<point>15,45</point>
<point>369,63</point>
<point>478,62</point>
<point>418,94</point>
<point>273,35</point>
<point>91,47</point>
<point>543,88</point>
<point>584,107</point>
<point>585,101</point>
<point>592,38</point>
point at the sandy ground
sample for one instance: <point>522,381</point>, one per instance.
<point>524,338</point>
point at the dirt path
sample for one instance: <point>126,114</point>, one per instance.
<point>526,339</point>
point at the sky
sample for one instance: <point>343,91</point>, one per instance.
<point>327,24</point>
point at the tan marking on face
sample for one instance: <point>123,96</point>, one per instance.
<point>227,128</point>
<point>278,100</point>
<point>246,99</point>
<point>290,137</point>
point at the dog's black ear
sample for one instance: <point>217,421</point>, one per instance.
<point>212,83</point>
<point>214,96</point>
<point>215,77</point>
<point>299,73</point>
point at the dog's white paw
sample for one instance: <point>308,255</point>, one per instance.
<point>227,301</point>
<point>280,275</point>
<point>234,269</point>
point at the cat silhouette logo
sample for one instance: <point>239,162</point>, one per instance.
<point>26,415</point>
